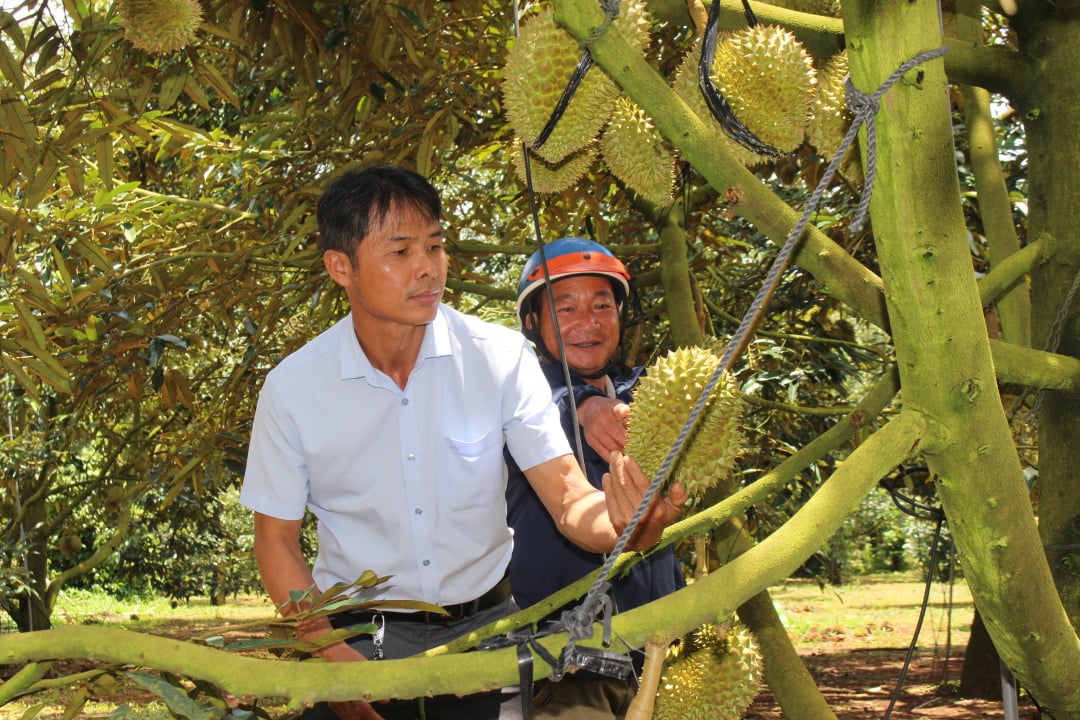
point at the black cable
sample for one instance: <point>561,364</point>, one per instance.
<point>584,63</point>
<point>719,107</point>
<point>918,625</point>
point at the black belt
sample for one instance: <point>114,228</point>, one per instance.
<point>460,611</point>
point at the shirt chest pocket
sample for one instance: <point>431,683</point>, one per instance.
<point>474,476</point>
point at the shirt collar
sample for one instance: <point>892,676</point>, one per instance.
<point>355,364</point>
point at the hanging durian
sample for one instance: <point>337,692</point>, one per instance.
<point>538,68</point>
<point>553,177</point>
<point>160,26</point>
<point>767,77</point>
<point>663,399</point>
<point>714,675</point>
<point>635,152</point>
<point>829,115</point>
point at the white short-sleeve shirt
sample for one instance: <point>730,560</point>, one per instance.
<point>408,483</point>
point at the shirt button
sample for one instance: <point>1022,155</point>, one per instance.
<point>411,456</point>
<point>426,563</point>
<point>404,401</point>
<point>418,511</point>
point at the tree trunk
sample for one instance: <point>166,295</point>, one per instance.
<point>943,352</point>
<point>981,675</point>
<point>31,609</point>
<point>1050,38</point>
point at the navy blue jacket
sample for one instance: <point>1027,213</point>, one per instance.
<point>544,560</point>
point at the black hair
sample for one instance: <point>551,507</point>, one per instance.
<point>361,198</point>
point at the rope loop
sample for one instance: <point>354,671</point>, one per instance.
<point>611,11</point>
<point>865,107</point>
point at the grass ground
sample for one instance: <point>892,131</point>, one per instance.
<point>853,638</point>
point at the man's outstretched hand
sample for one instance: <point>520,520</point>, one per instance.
<point>624,488</point>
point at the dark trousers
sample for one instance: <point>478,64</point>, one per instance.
<point>403,639</point>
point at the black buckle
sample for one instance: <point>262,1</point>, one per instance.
<point>601,662</point>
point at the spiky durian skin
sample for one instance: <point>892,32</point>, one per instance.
<point>663,400</point>
<point>715,676</point>
<point>830,115</point>
<point>160,26</point>
<point>635,152</point>
<point>538,68</point>
<point>553,177</point>
<point>767,77</point>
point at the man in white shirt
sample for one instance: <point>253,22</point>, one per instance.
<point>390,426</point>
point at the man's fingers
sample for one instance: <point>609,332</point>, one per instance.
<point>678,496</point>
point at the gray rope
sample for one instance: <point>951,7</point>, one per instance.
<point>578,620</point>
<point>611,11</point>
<point>865,108</point>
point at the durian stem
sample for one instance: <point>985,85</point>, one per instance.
<point>642,706</point>
<point>701,555</point>
<point>699,15</point>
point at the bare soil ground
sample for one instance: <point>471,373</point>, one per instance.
<point>860,684</point>
<point>854,640</point>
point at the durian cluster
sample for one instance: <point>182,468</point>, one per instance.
<point>764,73</point>
<point>160,26</point>
<point>663,399</point>
<point>714,675</point>
<point>538,67</point>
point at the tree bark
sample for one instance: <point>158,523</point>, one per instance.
<point>1049,35</point>
<point>943,352</point>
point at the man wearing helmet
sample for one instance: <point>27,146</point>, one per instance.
<point>589,288</point>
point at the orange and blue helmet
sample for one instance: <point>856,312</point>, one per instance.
<point>567,257</point>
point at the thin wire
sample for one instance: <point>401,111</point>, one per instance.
<point>718,106</point>
<point>579,450</point>
<point>918,624</point>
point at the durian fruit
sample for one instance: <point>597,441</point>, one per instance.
<point>715,675</point>
<point>635,152</point>
<point>115,498</point>
<point>829,115</point>
<point>69,545</point>
<point>828,8</point>
<point>160,26</point>
<point>538,68</point>
<point>553,177</point>
<point>663,399</point>
<point>767,77</point>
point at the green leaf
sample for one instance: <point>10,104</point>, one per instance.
<point>30,324</point>
<point>178,703</point>
<point>9,67</point>
<point>76,703</point>
<point>411,15</point>
<point>24,380</point>
<point>11,29</point>
<point>33,711</point>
